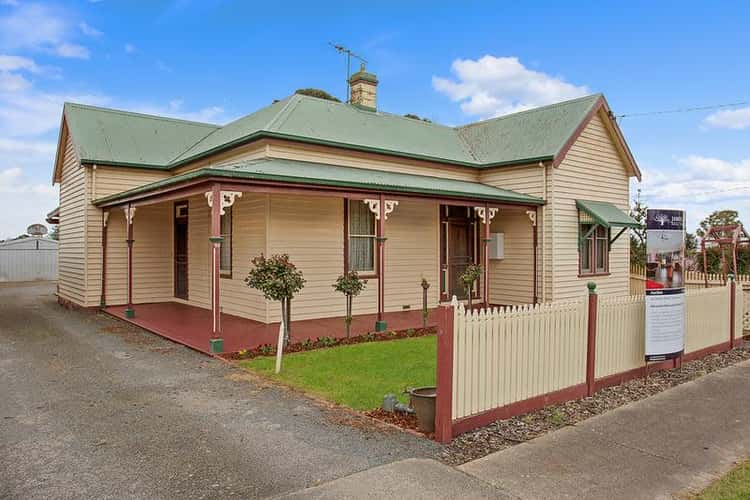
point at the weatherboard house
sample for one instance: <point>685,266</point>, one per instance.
<point>159,218</point>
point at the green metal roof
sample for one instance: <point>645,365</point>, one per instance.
<point>124,138</point>
<point>336,176</point>
<point>606,214</point>
<point>117,137</point>
<point>535,134</point>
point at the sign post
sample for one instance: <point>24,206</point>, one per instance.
<point>665,285</point>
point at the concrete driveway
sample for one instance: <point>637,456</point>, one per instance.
<point>93,408</point>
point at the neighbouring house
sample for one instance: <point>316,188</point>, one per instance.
<point>159,218</point>
<point>28,259</point>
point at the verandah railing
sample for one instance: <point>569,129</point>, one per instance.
<point>502,362</point>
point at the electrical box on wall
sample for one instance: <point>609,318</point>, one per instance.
<point>497,246</point>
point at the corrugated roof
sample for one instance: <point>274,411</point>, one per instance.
<point>535,134</point>
<point>337,176</point>
<point>123,138</point>
<point>109,136</point>
<point>606,214</point>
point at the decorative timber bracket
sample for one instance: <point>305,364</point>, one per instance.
<point>227,199</point>
<point>129,214</point>
<point>374,206</point>
<point>532,216</point>
<point>482,215</point>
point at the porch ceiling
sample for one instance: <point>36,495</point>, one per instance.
<point>333,177</point>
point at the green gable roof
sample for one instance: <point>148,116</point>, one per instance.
<point>124,138</point>
<point>116,137</point>
<point>336,176</point>
<point>535,134</point>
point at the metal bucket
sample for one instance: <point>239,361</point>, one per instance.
<point>422,399</point>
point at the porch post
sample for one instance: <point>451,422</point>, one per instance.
<point>535,249</point>
<point>486,256</point>
<point>215,202</point>
<point>129,214</point>
<point>103,298</point>
<point>380,324</point>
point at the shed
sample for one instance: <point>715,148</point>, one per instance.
<point>28,259</point>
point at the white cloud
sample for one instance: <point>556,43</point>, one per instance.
<point>28,201</point>
<point>129,48</point>
<point>700,185</point>
<point>31,26</point>
<point>732,118</point>
<point>493,86</point>
<point>72,50</point>
<point>176,109</point>
<point>89,30</point>
<point>16,63</point>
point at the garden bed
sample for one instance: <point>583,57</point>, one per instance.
<point>505,433</point>
<point>326,342</point>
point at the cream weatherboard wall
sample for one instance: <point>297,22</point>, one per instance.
<point>72,250</point>
<point>510,279</point>
<point>152,254</point>
<point>591,170</point>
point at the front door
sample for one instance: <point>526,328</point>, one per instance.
<point>458,249</point>
<point>181,250</point>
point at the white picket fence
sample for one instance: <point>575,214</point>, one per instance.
<point>507,355</point>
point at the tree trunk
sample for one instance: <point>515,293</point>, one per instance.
<point>348,315</point>
<point>285,319</point>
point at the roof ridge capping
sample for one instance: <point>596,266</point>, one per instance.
<point>68,104</point>
<point>594,97</point>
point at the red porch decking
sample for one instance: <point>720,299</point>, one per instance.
<point>191,326</point>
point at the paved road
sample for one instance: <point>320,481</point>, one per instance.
<point>93,408</point>
<point>674,443</point>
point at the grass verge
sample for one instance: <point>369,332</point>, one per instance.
<point>734,485</point>
<point>359,375</point>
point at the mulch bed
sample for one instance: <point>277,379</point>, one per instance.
<point>505,433</point>
<point>324,342</point>
<point>403,420</point>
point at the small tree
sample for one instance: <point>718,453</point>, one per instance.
<point>278,279</point>
<point>470,276</point>
<point>351,285</point>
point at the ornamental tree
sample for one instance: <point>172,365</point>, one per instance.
<point>351,285</point>
<point>470,276</point>
<point>278,279</point>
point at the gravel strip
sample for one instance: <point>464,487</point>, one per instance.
<point>505,433</point>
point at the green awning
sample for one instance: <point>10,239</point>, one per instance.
<point>605,214</point>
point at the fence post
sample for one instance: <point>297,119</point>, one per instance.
<point>591,340</point>
<point>444,396</point>
<point>732,298</point>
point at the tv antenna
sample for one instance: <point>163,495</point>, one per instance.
<point>349,54</point>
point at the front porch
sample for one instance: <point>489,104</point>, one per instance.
<point>192,326</point>
<point>175,253</point>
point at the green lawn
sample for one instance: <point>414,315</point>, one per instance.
<point>359,375</point>
<point>735,485</point>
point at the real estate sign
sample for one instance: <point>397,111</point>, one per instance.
<point>665,286</point>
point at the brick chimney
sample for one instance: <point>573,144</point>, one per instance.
<point>364,87</point>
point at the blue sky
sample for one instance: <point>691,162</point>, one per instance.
<point>452,62</point>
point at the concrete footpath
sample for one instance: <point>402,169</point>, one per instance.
<point>671,444</point>
<point>668,445</point>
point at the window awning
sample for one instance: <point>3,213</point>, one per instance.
<point>605,214</point>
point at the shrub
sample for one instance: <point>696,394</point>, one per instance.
<point>278,279</point>
<point>350,285</point>
<point>470,276</point>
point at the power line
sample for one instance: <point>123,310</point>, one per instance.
<point>684,110</point>
<point>717,191</point>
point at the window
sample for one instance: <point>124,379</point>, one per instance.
<point>360,237</point>
<point>594,250</point>
<point>225,256</point>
